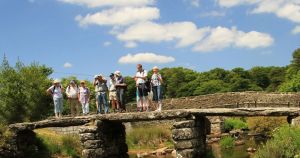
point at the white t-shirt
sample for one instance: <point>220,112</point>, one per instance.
<point>84,94</point>
<point>72,91</point>
<point>57,93</point>
<point>112,85</point>
<point>141,74</point>
<point>155,81</point>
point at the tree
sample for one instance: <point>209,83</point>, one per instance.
<point>22,92</point>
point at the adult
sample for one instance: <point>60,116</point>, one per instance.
<point>121,87</point>
<point>72,95</point>
<point>142,88</point>
<point>113,93</point>
<point>84,97</point>
<point>100,83</point>
<point>56,91</point>
<point>96,91</point>
<point>156,81</point>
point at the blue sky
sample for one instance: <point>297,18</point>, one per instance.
<point>88,37</point>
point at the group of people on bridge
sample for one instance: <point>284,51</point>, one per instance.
<point>147,89</point>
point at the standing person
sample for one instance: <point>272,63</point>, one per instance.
<point>141,77</point>
<point>56,91</point>
<point>84,97</point>
<point>113,93</point>
<point>96,90</point>
<point>102,95</point>
<point>156,81</point>
<point>72,94</point>
<point>121,87</point>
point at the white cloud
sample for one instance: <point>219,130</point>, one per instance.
<point>195,3</point>
<point>110,3</point>
<point>68,65</point>
<point>31,1</point>
<point>107,43</point>
<point>130,44</point>
<point>186,33</point>
<point>145,58</point>
<point>287,9</point>
<point>119,16</point>
<point>213,14</point>
<point>221,38</point>
<point>296,30</point>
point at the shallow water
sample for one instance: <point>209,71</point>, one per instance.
<point>214,150</point>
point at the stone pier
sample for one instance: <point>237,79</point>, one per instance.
<point>105,139</point>
<point>189,137</point>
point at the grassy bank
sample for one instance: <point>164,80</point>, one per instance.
<point>52,145</point>
<point>149,137</point>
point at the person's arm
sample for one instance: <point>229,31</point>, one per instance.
<point>95,82</point>
<point>78,94</point>
<point>67,92</point>
<point>160,79</point>
<point>49,90</point>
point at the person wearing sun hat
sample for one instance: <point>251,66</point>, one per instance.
<point>113,93</point>
<point>121,88</point>
<point>101,89</point>
<point>56,91</point>
<point>72,95</point>
<point>84,97</point>
<point>156,81</point>
<point>96,90</point>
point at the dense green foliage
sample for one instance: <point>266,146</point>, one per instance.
<point>284,144</point>
<point>234,123</point>
<point>227,142</point>
<point>23,92</point>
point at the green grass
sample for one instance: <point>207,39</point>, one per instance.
<point>52,144</point>
<point>284,144</point>
<point>234,123</point>
<point>227,142</point>
<point>149,137</point>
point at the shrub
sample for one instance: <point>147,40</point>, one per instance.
<point>5,135</point>
<point>285,143</point>
<point>265,125</point>
<point>234,123</point>
<point>227,142</point>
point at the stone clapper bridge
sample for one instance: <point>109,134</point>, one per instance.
<point>103,135</point>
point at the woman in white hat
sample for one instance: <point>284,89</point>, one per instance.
<point>56,91</point>
<point>156,81</point>
<point>84,97</point>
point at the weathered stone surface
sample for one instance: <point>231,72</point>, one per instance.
<point>92,144</point>
<point>190,153</point>
<point>185,133</point>
<point>92,153</point>
<point>234,100</point>
<point>184,124</point>
<point>87,136</point>
<point>88,129</point>
<point>189,144</point>
<point>295,121</point>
